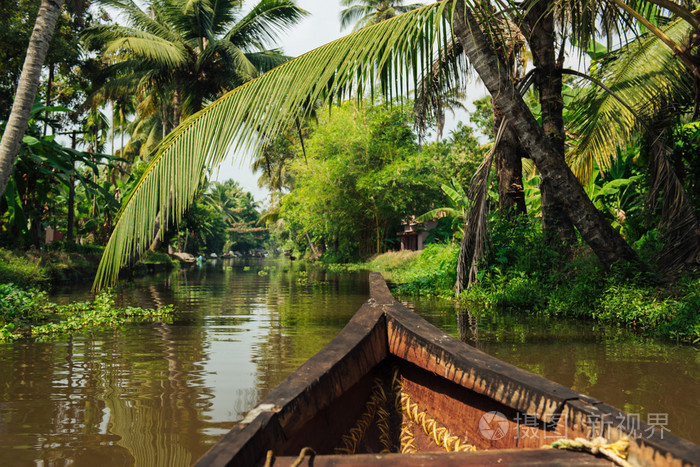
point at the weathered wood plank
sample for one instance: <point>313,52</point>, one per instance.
<point>506,457</point>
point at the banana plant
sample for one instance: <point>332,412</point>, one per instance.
<point>457,209</point>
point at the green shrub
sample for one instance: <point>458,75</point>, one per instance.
<point>21,270</point>
<point>433,272</point>
<point>524,273</point>
<point>156,257</point>
<point>70,247</point>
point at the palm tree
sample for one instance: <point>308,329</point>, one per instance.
<point>368,12</point>
<point>183,55</point>
<point>49,11</point>
<point>267,105</point>
<point>647,87</point>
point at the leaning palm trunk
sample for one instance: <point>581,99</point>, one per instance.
<point>49,11</point>
<point>539,24</point>
<point>605,241</point>
<point>509,170</point>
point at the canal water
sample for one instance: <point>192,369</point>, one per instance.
<point>163,393</point>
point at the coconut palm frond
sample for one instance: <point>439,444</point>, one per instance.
<point>646,76</point>
<point>265,21</point>
<point>439,212</point>
<point>269,217</point>
<point>139,19</point>
<point>267,60</point>
<point>442,87</point>
<point>258,110</point>
<point>355,14</point>
<point>151,48</point>
<point>474,241</point>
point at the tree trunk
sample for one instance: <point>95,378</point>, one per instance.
<point>70,221</point>
<point>539,21</point>
<point>605,241</point>
<point>314,251</point>
<point>509,170</point>
<point>49,12</point>
<point>176,106</point>
<point>49,82</point>
<point>155,244</point>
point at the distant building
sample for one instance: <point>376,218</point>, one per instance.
<point>414,234</point>
<point>53,235</point>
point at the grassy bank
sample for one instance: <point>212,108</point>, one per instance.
<point>524,275</point>
<point>64,264</point>
<point>28,313</point>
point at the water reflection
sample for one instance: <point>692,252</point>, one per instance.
<point>162,394</point>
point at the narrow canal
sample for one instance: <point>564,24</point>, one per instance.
<point>162,394</point>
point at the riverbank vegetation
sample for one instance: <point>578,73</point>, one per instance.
<point>526,277</point>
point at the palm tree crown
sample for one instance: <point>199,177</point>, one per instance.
<point>191,52</point>
<point>368,12</point>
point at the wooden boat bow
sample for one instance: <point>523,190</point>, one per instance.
<point>455,386</point>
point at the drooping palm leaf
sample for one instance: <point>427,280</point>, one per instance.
<point>679,222</point>
<point>651,79</point>
<point>260,109</point>
<point>151,48</point>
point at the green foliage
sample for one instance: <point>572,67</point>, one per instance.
<point>200,51</point>
<point>686,159</point>
<point>482,116</point>
<point>456,210</point>
<point>28,313</point>
<point>619,193</point>
<point>433,272</point>
<point>21,270</point>
<point>17,304</point>
<point>223,217</point>
<point>17,19</point>
<point>645,74</point>
<point>364,175</point>
<point>68,247</point>
<point>157,257</point>
<point>38,189</point>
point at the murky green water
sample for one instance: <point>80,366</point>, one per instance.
<point>162,394</point>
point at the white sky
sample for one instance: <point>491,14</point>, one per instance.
<point>320,27</point>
